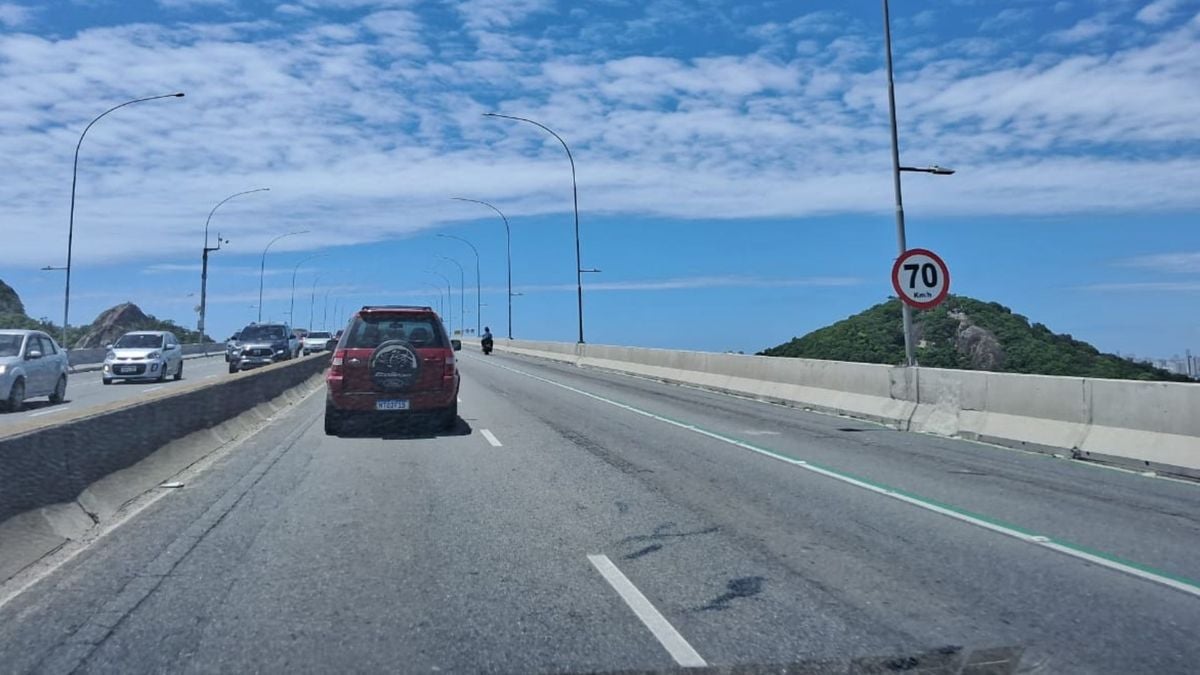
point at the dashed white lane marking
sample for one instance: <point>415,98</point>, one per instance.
<point>491,438</point>
<point>150,389</point>
<point>209,377</point>
<point>663,631</point>
<point>49,412</point>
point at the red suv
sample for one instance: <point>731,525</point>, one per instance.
<point>393,361</point>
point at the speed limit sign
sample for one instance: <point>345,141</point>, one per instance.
<point>921,278</point>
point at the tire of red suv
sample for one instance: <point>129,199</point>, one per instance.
<point>333,420</point>
<point>448,420</point>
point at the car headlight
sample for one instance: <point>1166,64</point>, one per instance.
<point>3,368</point>
<point>154,355</point>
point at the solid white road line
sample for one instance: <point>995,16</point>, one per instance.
<point>49,412</point>
<point>491,438</point>
<point>663,631</point>
<point>1111,562</point>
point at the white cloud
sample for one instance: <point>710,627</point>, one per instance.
<point>362,139</point>
<point>1146,287</point>
<point>486,14</point>
<point>13,15</point>
<point>1084,30</point>
<point>1157,12</point>
<point>193,4</point>
<point>1005,18</point>
<point>1181,262</point>
<point>685,283</point>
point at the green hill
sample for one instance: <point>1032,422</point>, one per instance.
<point>968,334</point>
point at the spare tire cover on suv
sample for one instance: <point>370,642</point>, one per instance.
<point>394,366</point>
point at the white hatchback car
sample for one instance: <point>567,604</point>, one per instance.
<point>31,365</point>
<point>143,355</point>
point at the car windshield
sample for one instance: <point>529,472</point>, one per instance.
<point>139,342</point>
<point>10,345</point>
<point>262,333</point>
<point>371,330</point>
<point>319,336</point>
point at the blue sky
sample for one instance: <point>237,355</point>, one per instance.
<point>733,166</point>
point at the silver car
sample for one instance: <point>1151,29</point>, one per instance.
<point>31,365</point>
<point>143,355</point>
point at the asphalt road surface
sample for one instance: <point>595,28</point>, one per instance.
<point>85,390</point>
<point>582,521</point>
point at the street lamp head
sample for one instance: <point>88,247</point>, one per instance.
<point>940,170</point>
<point>178,94</point>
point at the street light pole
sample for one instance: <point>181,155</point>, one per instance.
<point>478,303</point>
<point>312,300</point>
<point>207,250</point>
<point>292,306</point>
<point>462,293</point>
<point>508,241</point>
<point>910,358</point>
<point>575,196</point>
<point>262,267</point>
<point>449,313</point>
<point>71,221</point>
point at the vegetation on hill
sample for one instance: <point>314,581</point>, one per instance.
<point>965,333</point>
<point>120,319</point>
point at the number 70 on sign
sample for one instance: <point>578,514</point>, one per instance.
<point>921,278</point>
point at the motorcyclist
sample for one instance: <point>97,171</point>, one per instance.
<point>486,340</point>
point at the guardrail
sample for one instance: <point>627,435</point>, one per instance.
<point>80,357</point>
<point>1149,425</point>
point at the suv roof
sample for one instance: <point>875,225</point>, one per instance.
<point>386,308</point>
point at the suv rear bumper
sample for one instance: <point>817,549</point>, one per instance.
<point>418,401</point>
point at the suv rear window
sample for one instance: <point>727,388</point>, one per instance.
<point>263,333</point>
<point>368,331</point>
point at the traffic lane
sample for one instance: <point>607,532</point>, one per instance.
<point>368,554</point>
<point>1145,520</point>
<point>904,569</point>
<point>86,389</point>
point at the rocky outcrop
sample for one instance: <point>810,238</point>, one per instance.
<point>112,324</point>
<point>10,302</point>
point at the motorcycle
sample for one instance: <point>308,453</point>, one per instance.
<point>487,346</point>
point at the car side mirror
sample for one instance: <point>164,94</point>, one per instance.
<point>456,344</point>
<point>108,346</point>
<point>33,354</point>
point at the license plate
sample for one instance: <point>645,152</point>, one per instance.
<point>392,404</point>
<point>126,369</point>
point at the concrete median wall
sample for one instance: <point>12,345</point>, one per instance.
<point>1142,424</point>
<point>46,463</point>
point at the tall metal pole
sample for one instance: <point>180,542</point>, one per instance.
<point>449,313</point>
<point>207,250</point>
<point>71,221</point>
<point>901,242</point>
<point>312,300</point>
<point>262,268</point>
<point>508,241</point>
<point>462,293</point>
<point>325,311</point>
<point>575,197</point>
<point>292,305</point>
<point>478,302</point>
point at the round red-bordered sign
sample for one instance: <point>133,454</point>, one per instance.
<point>921,278</point>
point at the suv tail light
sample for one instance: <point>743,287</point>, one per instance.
<point>449,368</point>
<point>339,358</point>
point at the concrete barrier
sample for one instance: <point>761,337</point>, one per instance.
<point>48,462</point>
<point>1132,423</point>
